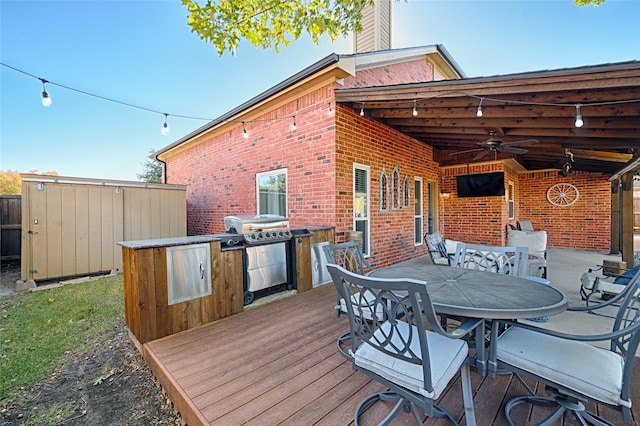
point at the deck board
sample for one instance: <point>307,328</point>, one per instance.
<point>278,364</point>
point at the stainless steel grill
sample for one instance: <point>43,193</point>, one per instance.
<point>267,252</point>
<point>259,229</point>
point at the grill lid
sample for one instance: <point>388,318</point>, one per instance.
<point>259,228</point>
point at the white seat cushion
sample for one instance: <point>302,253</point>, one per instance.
<point>367,304</point>
<point>447,355</point>
<point>589,370</point>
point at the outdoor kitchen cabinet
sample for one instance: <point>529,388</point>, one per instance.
<point>149,313</point>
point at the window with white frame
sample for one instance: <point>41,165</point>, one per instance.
<point>418,218</point>
<point>511,200</point>
<point>361,201</point>
<point>271,190</point>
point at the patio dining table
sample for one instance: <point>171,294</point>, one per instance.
<point>483,295</point>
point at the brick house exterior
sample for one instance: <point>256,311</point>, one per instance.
<point>219,167</point>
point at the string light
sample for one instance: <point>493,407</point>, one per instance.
<point>479,111</point>
<point>165,126</point>
<point>46,99</point>
<point>579,122</point>
<point>244,131</point>
<point>294,127</point>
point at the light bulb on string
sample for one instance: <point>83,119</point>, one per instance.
<point>165,126</point>
<point>294,127</point>
<point>415,111</point>
<point>245,134</point>
<point>479,111</point>
<point>362,110</point>
<point>46,99</point>
<point>579,122</point>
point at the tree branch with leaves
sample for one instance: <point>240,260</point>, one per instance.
<point>271,24</point>
<point>274,23</point>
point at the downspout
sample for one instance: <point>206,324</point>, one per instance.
<point>164,169</point>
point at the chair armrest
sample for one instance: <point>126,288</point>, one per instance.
<point>577,337</point>
<point>467,326</point>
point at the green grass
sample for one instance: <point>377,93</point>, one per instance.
<point>38,330</point>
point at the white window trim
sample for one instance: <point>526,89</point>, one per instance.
<point>511,199</point>
<point>273,173</point>
<point>367,237</point>
<point>421,215</point>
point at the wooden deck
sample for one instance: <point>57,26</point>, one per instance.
<point>278,364</point>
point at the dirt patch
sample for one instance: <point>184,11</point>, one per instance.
<point>110,384</point>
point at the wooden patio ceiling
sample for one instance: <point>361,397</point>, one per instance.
<point>538,105</point>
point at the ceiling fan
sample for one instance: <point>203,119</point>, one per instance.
<point>496,145</point>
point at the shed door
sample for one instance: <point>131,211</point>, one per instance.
<point>72,230</point>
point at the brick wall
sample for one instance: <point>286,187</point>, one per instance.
<point>416,71</point>
<point>477,220</point>
<point>482,220</point>
<point>220,172</point>
<point>364,141</point>
<point>585,224</point>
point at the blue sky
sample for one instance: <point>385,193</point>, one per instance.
<point>143,53</point>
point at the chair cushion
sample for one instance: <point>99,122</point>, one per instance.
<point>447,355</point>
<point>626,277</point>
<point>535,241</point>
<point>586,369</point>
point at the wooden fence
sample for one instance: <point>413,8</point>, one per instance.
<point>10,227</point>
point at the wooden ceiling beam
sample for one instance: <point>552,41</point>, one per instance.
<point>514,122</point>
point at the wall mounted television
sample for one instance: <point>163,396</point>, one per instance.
<point>481,185</point>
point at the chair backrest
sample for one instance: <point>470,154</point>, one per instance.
<point>628,316</point>
<point>405,301</point>
<point>535,241</point>
<point>437,248</point>
<point>626,343</point>
<point>525,225</point>
<point>502,260</point>
<point>348,255</point>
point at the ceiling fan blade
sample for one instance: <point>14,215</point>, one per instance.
<point>479,156</point>
<point>468,150</point>
<point>512,149</point>
<point>522,142</point>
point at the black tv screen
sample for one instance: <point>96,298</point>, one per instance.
<point>481,185</point>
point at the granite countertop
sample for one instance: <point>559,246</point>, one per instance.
<point>166,242</point>
<point>197,239</point>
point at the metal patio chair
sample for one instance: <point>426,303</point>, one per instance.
<point>398,351</point>
<point>437,249</point>
<point>349,256</point>
<point>501,260</point>
<point>536,242</point>
<point>574,371</point>
<point>497,259</point>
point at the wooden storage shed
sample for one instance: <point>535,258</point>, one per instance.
<point>72,226</point>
